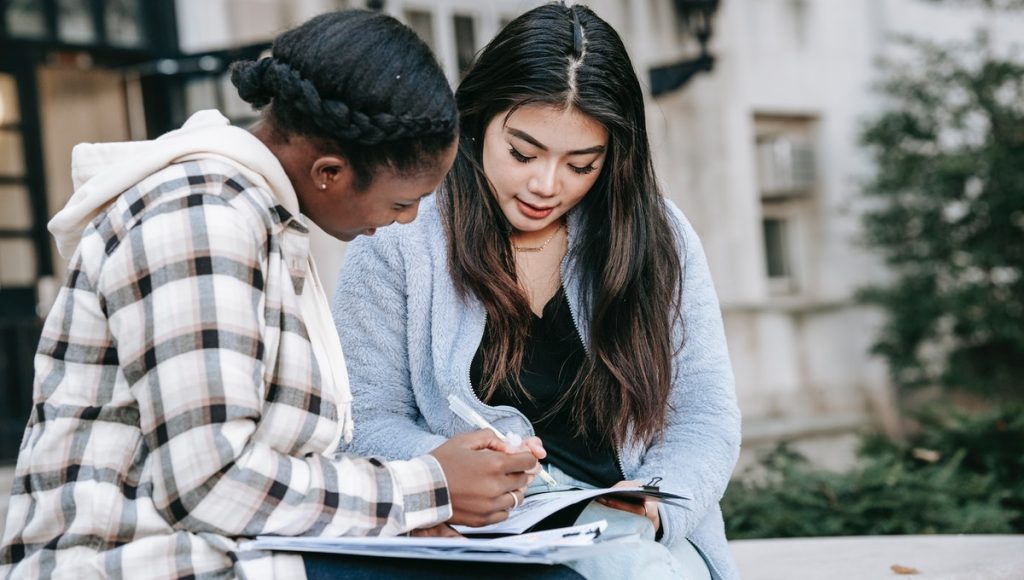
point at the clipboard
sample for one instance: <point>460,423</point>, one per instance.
<point>559,508</point>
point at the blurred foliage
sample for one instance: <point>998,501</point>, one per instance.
<point>948,217</point>
<point>960,474</point>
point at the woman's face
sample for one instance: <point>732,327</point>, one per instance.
<point>346,211</point>
<point>541,161</point>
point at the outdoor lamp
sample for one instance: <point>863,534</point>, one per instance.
<point>695,18</point>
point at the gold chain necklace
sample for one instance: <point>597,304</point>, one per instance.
<point>541,247</point>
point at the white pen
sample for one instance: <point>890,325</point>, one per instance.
<point>460,408</point>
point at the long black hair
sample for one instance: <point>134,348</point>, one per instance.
<point>359,83</point>
<point>569,58</point>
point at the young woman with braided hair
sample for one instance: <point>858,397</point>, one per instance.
<point>551,286</point>
<point>190,387</point>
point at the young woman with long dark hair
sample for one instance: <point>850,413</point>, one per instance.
<point>552,286</point>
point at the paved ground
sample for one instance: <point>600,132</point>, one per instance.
<point>854,558</point>
<point>872,557</point>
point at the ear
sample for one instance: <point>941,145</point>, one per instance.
<point>330,172</point>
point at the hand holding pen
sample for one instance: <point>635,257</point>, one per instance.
<point>485,480</point>
<point>512,440</point>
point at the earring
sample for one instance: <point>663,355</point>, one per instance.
<point>323,186</point>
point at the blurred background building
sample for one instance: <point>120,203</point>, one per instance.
<point>754,107</point>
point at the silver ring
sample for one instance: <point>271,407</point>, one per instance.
<point>515,500</point>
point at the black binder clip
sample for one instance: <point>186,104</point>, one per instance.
<point>652,485</point>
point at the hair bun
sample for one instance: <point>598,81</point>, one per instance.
<point>251,79</point>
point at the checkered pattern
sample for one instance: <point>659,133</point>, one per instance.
<point>177,402</point>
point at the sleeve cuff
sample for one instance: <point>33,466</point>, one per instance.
<point>421,484</point>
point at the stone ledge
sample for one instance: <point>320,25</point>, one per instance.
<point>973,557</point>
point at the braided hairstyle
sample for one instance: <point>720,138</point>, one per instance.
<point>358,83</point>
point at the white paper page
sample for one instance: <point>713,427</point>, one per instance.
<point>539,506</point>
<point>533,543</point>
<point>547,547</point>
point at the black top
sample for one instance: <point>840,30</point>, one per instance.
<point>553,355</point>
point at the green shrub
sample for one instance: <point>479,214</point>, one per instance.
<point>959,474</point>
<point>946,213</point>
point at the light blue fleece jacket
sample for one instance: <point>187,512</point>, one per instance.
<point>409,339</point>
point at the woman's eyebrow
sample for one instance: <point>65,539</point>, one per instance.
<point>529,139</point>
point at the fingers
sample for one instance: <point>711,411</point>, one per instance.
<point>647,509</point>
<point>536,447</point>
<point>509,463</point>
<point>481,439</point>
<point>653,514</point>
<point>438,531</point>
<point>479,476</point>
<point>499,509</point>
<point>633,508</point>
<point>515,499</point>
<point>519,462</point>
<point>628,483</point>
<point>478,518</point>
<point>487,439</point>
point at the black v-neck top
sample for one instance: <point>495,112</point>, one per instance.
<point>553,355</point>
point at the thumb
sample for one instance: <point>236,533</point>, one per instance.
<point>628,483</point>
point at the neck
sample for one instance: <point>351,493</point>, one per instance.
<point>291,152</point>
<point>265,133</point>
<point>536,238</point>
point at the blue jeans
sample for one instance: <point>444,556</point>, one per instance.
<point>649,561</point>
<point>338,566</point>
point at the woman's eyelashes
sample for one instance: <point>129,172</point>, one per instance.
<point>525,159</point>
<point>519,156</point>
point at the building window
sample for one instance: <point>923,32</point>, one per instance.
<point>776,248</point>
<point>74,21</point>
<point>784,148</point>
<point>25,19</point>
<point>456,29</point>
<point>785,165</point>
<point>215,91</point>
<point>9,115</point>
<point>781,228</point>
<point>465,42</point>
<point>17,262</point>
<point>112,23</point>
<point>17,251</point>
<point>123,22</point>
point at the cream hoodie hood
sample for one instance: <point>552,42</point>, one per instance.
<point>101,172</point>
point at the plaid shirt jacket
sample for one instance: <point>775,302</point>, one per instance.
<point>177,400</point>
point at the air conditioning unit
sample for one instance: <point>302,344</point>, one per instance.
<point>785,166</point>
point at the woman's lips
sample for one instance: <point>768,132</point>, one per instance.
<point>532,212</point>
